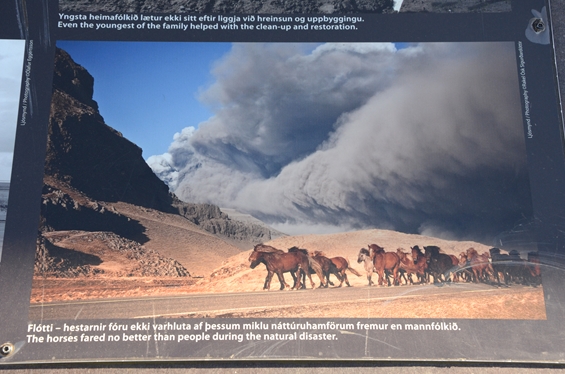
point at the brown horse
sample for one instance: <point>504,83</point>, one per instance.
<point>337,266</point>
<point>278,262</point>
<point>342,265</point>
<point>384,262</point>
<point>419,258</point>
<point>408,266</point>
<point>480,265</point>
<point>328,267</point>
<point>314,266</point>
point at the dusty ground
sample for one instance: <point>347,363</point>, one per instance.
<point>84,288</point>
<point>517,303</point>
<point>173,236</point>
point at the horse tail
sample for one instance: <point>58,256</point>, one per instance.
<point>355,272</point>
<point>317,268</point>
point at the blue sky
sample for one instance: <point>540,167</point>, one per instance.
<point>146,90</point>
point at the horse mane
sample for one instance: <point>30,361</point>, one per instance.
<point>471,252</point>
<point>494,250</point>
<point>296,249</point>
<point>374,249</point>
<point>364,251</point>
<point>266,249</point>
<point>434,250</point>
<point>319,253</point>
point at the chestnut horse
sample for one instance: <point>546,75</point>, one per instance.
<point>278,262</point>
<point>342,265</point>
<point>480,265</point>
<point>410,267</point>
<point>338,267</point>
<point>384,262</point>
<point>419,258</point>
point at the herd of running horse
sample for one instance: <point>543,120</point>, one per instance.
<point>393,268</point>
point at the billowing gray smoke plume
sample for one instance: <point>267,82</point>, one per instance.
<point>426,139</point>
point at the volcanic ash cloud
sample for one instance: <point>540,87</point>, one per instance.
<point>424,139</point>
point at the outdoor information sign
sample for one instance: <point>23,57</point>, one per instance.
<point>261,180</point>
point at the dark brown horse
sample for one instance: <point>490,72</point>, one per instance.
<point>410,267</point>
<point>314,266</point>
<point>384,262</point>
<point>278,262</point>
<point>328,267</point>
<point>440,265</point>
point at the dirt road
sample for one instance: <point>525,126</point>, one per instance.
<point>451,301</point>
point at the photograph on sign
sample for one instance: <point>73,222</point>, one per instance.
<point>373,180</point>
<point>11,66</point>
<point>266,7</point>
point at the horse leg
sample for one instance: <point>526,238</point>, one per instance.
<point>320,274</point>
<point>303,279</point>
<point>344,278</point>
<point>337,275</point>
<point>281,280</point>
<point>322,283</point>
<point>294,279</point>
<point>340,274</point>
<point>381,277</point>
<point>267,284</point>
<point>369,276</point>
<point>298,275</point>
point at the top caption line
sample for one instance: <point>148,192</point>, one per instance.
<point>206,22</point>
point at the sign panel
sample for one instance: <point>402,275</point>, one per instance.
<point>215,180</point>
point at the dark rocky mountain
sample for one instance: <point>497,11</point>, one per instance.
<point>88,154</point>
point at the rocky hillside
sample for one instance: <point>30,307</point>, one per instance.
<point>230,6</point>
<point>67,254</point>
